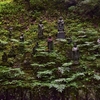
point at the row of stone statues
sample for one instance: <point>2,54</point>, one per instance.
<point>61,31</point>
<point>50,44</point>
<point>12,53</point>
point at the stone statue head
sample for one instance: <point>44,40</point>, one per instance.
<point>75,45</point>
<point>60,18</point>
<point>40,21</point>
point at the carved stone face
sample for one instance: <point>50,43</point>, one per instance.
<point>10,28</point>
<point>22,34</point>
<point>40,22</point>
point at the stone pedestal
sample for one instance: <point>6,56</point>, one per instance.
<point>61,35</point>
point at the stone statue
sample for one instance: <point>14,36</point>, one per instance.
<point>75,54</point>
<point>10,32</point>
<point>12,52</point>
<point>34,49</point>
<point>40,29</point>
<point>26,62</point>
<point>98,41</point>
<point>61,32</point>
<point>4,57</point>
<point>22,37</point>
<point>98,48</point>
<point>61,24</point>
<point>50,43</point>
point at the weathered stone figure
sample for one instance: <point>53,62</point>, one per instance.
<point>27,2</point>
<point>22,37</point>
<point>50,43</point>
<point>61,24</point>
<point>10,32</point>
<point>61,32</point>
<point>12,52</point>
<point>26,62</point>
<point>40,29</point>
<point>98,49</point>
<point>75,54</point>
<point>98,41</point>
<point>34,49</point>
<point>4,57</point>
